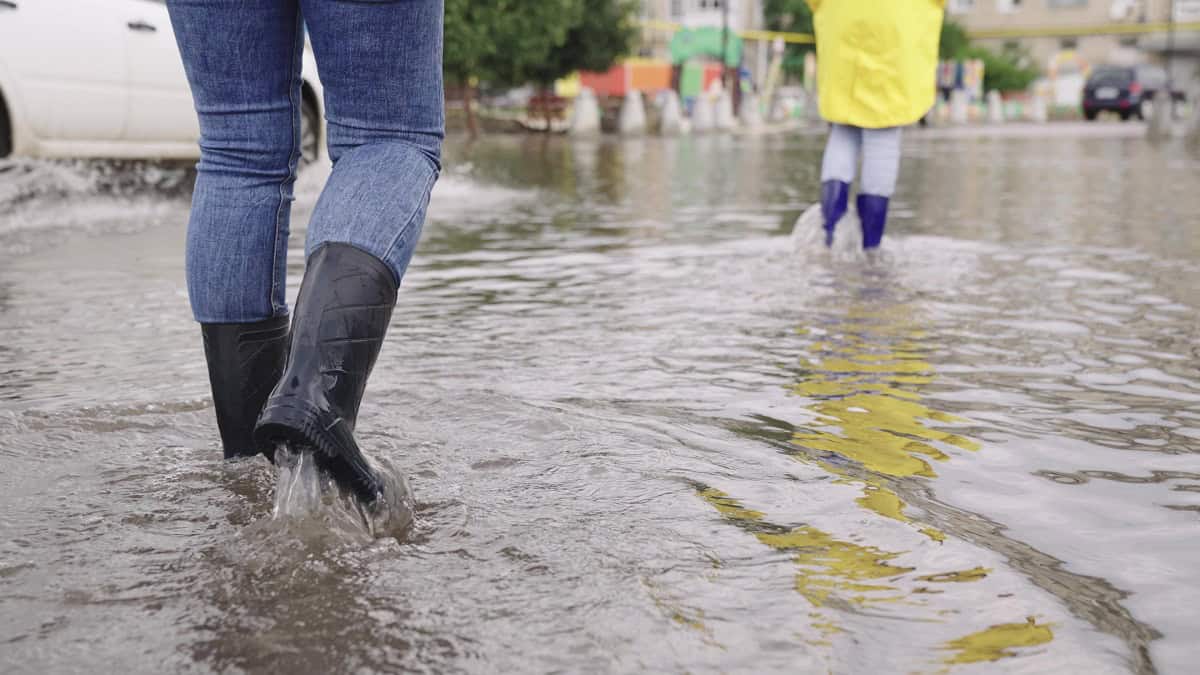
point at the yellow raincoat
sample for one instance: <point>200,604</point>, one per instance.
<point>877,59</point>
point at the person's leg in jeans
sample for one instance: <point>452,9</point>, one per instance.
<point>381,68</point>
<point>242,59</point>
<point>881,168</point>
<point>837,173</point>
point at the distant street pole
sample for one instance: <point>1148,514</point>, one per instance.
<point>1171,58</point>
<point>725,43</point>
<point>730,84</point>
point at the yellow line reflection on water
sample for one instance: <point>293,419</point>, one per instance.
<point>830,568</point>
<point>872,430</point>
<point>841,575</point>
<point>997,642</point>
<point>865,390</point>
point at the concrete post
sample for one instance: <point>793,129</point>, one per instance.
<point>1037,109</point>
<point>751,115</point>
<point>778,111</point>
<point>671,123</point>
<point>995,107</point>
<point>632,121</point>
<point>704,114</point>
<point>1192,135</point>
<point>812,106</point>
<point>1160,116</point>
<point>725,118</point>
<point>585,117</point>
<point>958,106</point>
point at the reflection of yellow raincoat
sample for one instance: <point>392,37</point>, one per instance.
<point>877,59</point>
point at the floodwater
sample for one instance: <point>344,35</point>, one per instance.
<point>645,429</point>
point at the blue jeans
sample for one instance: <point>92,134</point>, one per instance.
<point>380,63</point>
<point>880,150</point>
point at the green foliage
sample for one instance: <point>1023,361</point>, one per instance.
<point>792,16</point>
<point>501,40</point>
<point>604,33</point>
<point>954,41</point>
<point>509,42</point>
<point>1010,69</point>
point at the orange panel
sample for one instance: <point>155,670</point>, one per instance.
<point>611,83</point>
<point>650,76</point>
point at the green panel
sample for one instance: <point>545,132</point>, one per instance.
<point>691,79</point>
<point>691,42</point>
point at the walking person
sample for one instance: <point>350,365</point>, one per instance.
<point>876,73</point>
<point>380,63</point>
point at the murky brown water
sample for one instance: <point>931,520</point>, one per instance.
<point>644,433</point>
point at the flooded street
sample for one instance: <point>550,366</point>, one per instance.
<point>645,430</point>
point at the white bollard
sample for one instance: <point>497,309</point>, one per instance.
<point>751,114</point>
<point>812,107</point>
<point>585,117</point>
<point>1038,110</point>
<point>1160,116</point>
<point>725,118</point>
<point>704,114</point>
<point>779,110</point>
<point>671,123</point>
<point>995,107</point>
<point>632,121</point>
<point>958,106</point>
<point>1193,129</point>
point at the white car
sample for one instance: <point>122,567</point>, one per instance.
<point>103,78</point>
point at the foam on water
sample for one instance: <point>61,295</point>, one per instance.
<point>45,202</point>
<point>309,503</point>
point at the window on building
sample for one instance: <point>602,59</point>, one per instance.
<point>1069,43</point>
<point>1060,4</point>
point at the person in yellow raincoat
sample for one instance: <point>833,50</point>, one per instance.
<point>876,72</point>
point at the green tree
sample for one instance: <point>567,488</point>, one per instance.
<point>792,16</point>
<point>954,41</point>
<point>1007,70</point>
<point>604,32</point>
<point>1010,69</point>
<point>501,41</point>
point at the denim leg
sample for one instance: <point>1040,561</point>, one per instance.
<point>881,161</point>
<point>841,153</point>
<point>381,68</point>
<point>242,59</point>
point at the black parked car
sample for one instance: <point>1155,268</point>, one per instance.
<point>1123,90</point>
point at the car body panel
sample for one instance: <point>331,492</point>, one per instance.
<point>89,78</point>
<point>1124,89</point>
<point>160,103</point>
<point>61,61</point>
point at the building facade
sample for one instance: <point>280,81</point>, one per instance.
<point>740,15</point>
<point>1065,33</point>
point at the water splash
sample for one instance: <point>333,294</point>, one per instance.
<point>298,491</point>
<point>44,202</point>
<point>308,501</point>
<point>808,240</point>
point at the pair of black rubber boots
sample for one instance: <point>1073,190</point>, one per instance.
<point>304,390</point>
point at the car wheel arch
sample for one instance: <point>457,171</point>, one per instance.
<point>6,127</point>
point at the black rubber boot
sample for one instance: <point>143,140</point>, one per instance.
<point>245,361</point>
<point>340,318</point>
